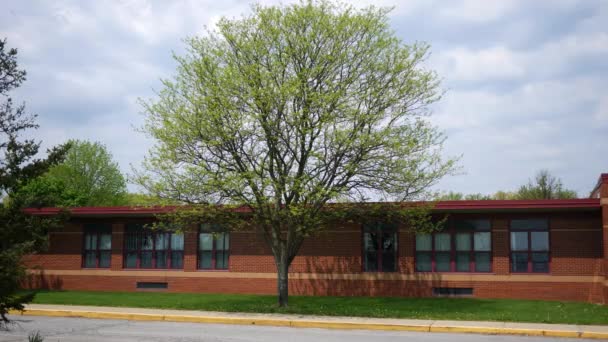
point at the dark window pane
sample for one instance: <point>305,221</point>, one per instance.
<point>423,262</point>
<point>424,242</point>
<point>540,262</point>
<point>389,242</point>
<point>146,260</point>
<point>90,242</point>
<point>177,259</point>
<point>222,241</point>
<point>463,241</point>
<point>519,241</point>
<point>221,261</point>
<point>131,260</point>
<point>519,262</point>
<point>483,262</point>
<point>539,241</point>
<point>371,261</point>
<point>90,259</point>
<point>388,262</point>
<point>131,242</point>
<point>105,241</point>
<point>104,258</point>
<point>370,242</point>
<point>480,224</point>
<point>205,259</point>
<point>442,242</point>
<point>161,259</point>
<point>463,262</point>
<point>530,224</point>
<point>226,258</point>
<point>442,262</point>
<point>147,242</point>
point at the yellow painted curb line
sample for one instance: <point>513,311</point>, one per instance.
<point>309,324</point>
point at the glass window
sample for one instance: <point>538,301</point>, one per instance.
<point>213,248</point>
<point>519,262</point>
<point>463,241</point>
<point>463,262</point>
<point>483,241</point>
<point>442,242</point>
<point>442,262</point>
<point>463,246</point>
<point>424,242</point>
<point>379,247</point>
<point>423,262</point>
<point>97,250</point>
<point>539,241</point>
<point>519,241</point>
<point>530,245</point>
<point>146,248</point>
<point>530,224</point>
<point>483,262</point>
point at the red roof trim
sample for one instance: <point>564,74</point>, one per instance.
<point>582,203</point>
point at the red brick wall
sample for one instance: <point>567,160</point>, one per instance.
<point>577,252</point>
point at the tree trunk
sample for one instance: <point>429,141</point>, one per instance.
<point>283,280</point>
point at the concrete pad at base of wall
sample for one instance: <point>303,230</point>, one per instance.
<point>325,322</point>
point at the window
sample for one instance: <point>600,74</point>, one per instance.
<point>379,247</point>
<point>213,248</point>
<point>452,291</point>
<point>151,286</point>
<point>530,246</point>
<point>145,248</point>
<point>464,246</point>
<point>97,250</point>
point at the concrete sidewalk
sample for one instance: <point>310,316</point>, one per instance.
<point>326,322</point>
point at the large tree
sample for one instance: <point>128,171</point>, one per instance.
<point>87,177</point>
<point>19,233</point>
<point>289,109</point>
<point>544,186</point>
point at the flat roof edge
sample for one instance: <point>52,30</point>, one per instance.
<point>481,205</point>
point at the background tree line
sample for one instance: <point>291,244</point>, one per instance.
<point>543,186</point>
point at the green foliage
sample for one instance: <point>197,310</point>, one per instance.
<point>87,177</point>
<point>545,186</point>
<point>292,108</point>
<point>19,234</point>
<point>139,199</point>
<point>35,337</point>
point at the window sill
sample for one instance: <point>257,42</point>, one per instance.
<point>211,270</point>
<point>152,269</point>
<point>455,272</point>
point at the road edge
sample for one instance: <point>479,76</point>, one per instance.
<point>300,323</point>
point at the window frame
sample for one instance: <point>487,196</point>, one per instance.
<point>96,229</point>
<point>142,232</point>
<point>452,231</point>
<point>213,230</point>
<point>395,230</point>
<point>529,250</point>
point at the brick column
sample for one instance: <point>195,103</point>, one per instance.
<point>500,245</point>
<point>190,249</point>
<point>118,229</point>
<point>601,192</point>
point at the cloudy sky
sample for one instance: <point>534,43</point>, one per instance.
<point>526,81</point>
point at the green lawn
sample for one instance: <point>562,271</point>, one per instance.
<point>417,308</point>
